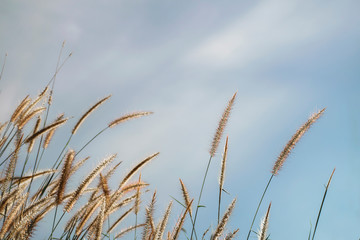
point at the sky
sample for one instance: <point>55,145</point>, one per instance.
<point>184,60</point>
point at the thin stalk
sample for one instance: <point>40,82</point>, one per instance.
<point>322,203</point>
<point>23,169</point>
<point>53,79</point>
<point>12,151</point>
<point>91,140</point>
<point>54,220</point>
<point>220,190</point>
<point>41,156</point>
<point>6,129</point>
<point>57,223</point>
<point>3,66</point>
<point>7,144</point>
<point>197,206</point>
<point>191,218</point>
<point>109,226</point>
<point>262,197</point>
<point>136,218</point>
<point>58,68</point>
<point>5,210</point>
<point>309,238</point>
<point>58,166</point>
<point>36,160</point>
<point>48,180</point>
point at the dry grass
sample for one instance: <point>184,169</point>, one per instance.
<point>103,210</point>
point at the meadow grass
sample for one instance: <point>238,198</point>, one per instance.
<point>23,204</point>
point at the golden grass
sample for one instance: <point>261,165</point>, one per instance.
<point>50,134</point>
<point>87,181</point>
<point>103,209</point>
<point>264,225</point>
<point>221,226</point>
<point>295,139</point>
<point>65,174</point>
<point>128,117</point>
<point>222,123</point>
<point>88,112</point>
<point>36,128</point>
<point>45,129</point>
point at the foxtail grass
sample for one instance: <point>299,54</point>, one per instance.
<point>215,143</point>
<point>283,156</point>
<point>222,175</point>
<point>22,208</point>
<point>262,235</point>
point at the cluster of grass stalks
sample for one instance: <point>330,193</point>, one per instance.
<point>27,198</point>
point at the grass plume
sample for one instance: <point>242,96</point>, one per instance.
<point>128,117</point>
<point>86,182</point>
<point>88,112</point>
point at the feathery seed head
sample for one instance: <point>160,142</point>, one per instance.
<point>25,119</point>
<point>46,129</point>
<point>221,226</point>
<point>65,174</point>
<point>93,108</point>
<point>36,128</point>
<point>87,181</point>
<point>294,139</point>
<point>222,123</point>
<point>136,168</point>
<point>264,225</point>
<point>223,165</point>
<point>51,132</point>
<point>127,117</point>
<point>23,104</point>
<point>185,196</point>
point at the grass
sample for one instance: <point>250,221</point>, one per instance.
<point>26,199</point>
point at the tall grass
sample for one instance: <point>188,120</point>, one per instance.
<point>24,204</point>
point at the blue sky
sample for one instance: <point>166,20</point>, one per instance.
<point>184,60</point>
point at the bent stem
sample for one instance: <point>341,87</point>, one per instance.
<point>198,204</point>
<point>258,207</point>
<point>322,203</point>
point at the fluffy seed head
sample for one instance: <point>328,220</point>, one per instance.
<point>24,120</point>
<point>20,108</point>
<point>95,106</point>
<point>45,129</point>
<point>51,132</point>
<point>294,139</point>
<point>36,128</point>
<point>223,165</point>
<point>220,129</point>
<point>264,225</point>
<point>127,117</point>
<point>186,196</point>
<point>136,168</point>
<point>221,226</point>
<point>86,182</point>
<point>65,174</point>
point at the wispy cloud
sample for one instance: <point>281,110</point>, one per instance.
<point>272,27</point>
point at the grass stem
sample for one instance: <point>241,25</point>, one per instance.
<point>198,203</point>
<point>322,204</point>
<point>258,207</point>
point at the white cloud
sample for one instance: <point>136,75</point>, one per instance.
<point>271,27</point>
